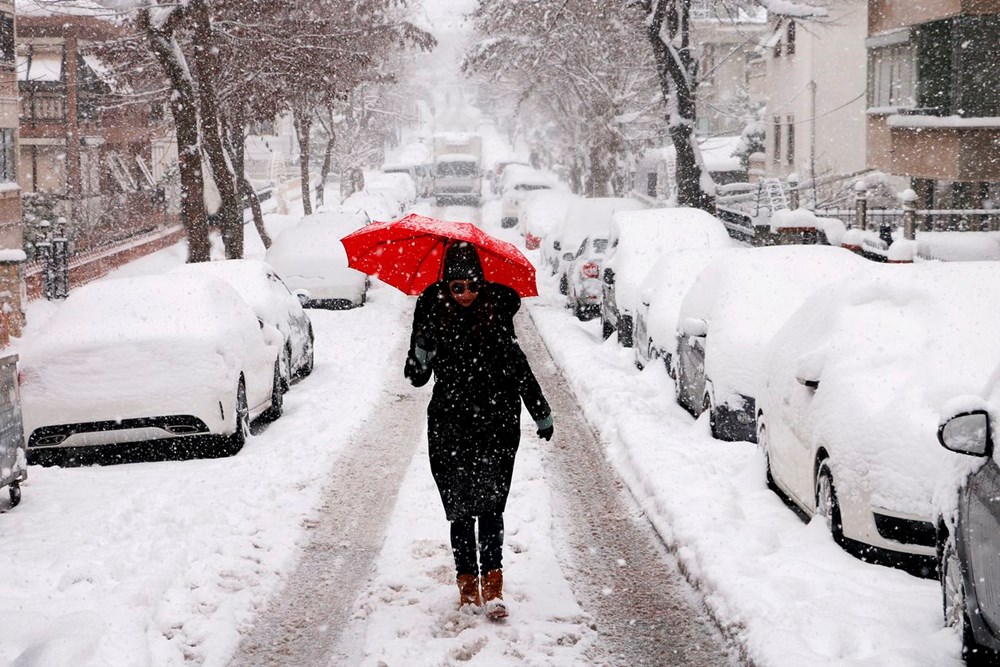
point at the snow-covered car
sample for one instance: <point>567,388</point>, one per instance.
<point>584,217</point>
<point>375,204</point>
<point>149,358</point>
<point>518,182</point>
<point>419,173</point>
<point>969,524</point>
<point>637,240</point>
<point>542,213</point>
<point>495,175</point>
<point>311,260</point>
<point>852,393</point>
<point>398,189</point>
<point>583,277</point>
<point>729,315</point>
<point>660,296</point>
<point>272,302</point>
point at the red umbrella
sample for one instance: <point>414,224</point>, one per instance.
<point>408,254</point>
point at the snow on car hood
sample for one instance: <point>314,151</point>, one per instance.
<point>889,349</point>
<point>746,298</point>
<point>639,238</point>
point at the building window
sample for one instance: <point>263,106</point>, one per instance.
<point>790,144</point>
<point>790,38</point>
<point>6,38</point>
<point>777,139</point>
<point>893,84</point>
<point>8,172</point>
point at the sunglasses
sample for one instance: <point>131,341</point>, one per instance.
<point>458,287</point>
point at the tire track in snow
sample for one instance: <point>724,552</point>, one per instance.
<point>646,611</point>
<point>304,620</point>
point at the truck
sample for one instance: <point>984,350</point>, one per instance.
<point>458,173</point>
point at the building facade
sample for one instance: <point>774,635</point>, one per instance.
<point>11,235</point>
<point>933,98</point>
<point>811,75</point>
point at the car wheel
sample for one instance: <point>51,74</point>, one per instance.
<point>286,367</point>
<point>706,406</point>
<point>606,328</point>
<point>235,442</point>
<point>762,442</point>
<point>310,354</point>
<point>277,396</point>
<point>563,284</point>
<point>827,505</point>
<point>15,494</point>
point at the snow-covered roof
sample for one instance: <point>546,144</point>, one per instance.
<point>63,7</point>
<point>45,67</point>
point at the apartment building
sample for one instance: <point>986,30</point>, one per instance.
<point>933,98</point>
<point>11,252</point>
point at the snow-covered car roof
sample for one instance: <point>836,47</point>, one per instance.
<point>342,214</point>
<point>375,204</point>
<point>589,215</point>
<point>518,174</point>
<point>125,336</point>
<point>544,211</point>
<point>638,238</point>
<point>397,185</point>
<point>666,285</point>
<point>746,298</point>
<point>259,285</point>
<point>890,348</point>
<point>313,249</point>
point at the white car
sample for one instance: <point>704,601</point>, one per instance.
<point>376,205</point>
<point>150,358</point>
<point>729,315</point>
<point>399,189</point>
<point>660,297</point>
<point>313,263</point>
<point>855,385</point>
<point>638,238</point>
<point>583,277</point>
<point>584,217</point>
<point>542,213</point>
<point>272,302</point>
<point>518,183</point>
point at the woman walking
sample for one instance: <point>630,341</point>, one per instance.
<point>463,332</point>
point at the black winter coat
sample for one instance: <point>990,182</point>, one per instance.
<point>480,378</point>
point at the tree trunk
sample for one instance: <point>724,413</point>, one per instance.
<point>597,186</point>
<point>303,126</point>
<point>324,171</point>
<point>183,106</point>
<point>236,148</point>
<point>206,69</point>
<point>678,81</point>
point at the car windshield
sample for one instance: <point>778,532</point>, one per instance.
<point>456,169</point>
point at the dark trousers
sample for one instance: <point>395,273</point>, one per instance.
<point>463,543</point>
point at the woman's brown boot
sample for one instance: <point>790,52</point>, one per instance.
<point>493,595</point>
<point>468,590</point>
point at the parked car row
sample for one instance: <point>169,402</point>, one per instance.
<point>848,374</point>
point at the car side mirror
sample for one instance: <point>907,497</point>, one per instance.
<point>303,296</point>
<point>694,327</point>
<point>967,433</point>
<point>568,257</point>
<point>811,383</point>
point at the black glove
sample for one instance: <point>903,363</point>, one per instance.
<point>424,349</point>
<point>545,428</point>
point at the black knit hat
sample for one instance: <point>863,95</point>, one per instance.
<point>461,262</point>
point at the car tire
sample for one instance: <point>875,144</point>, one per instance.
<point>827,505</point>
<point>15,494</point>
<point>606,328</point>
<point>563,284</point>
<point>286,367</point>
<point>277,408</point>
<point>234,443</point>
<point>706,406</point>
<point>310,354</point>
<point>762,442</point>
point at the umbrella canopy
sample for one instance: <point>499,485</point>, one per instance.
<point>409,254</point>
